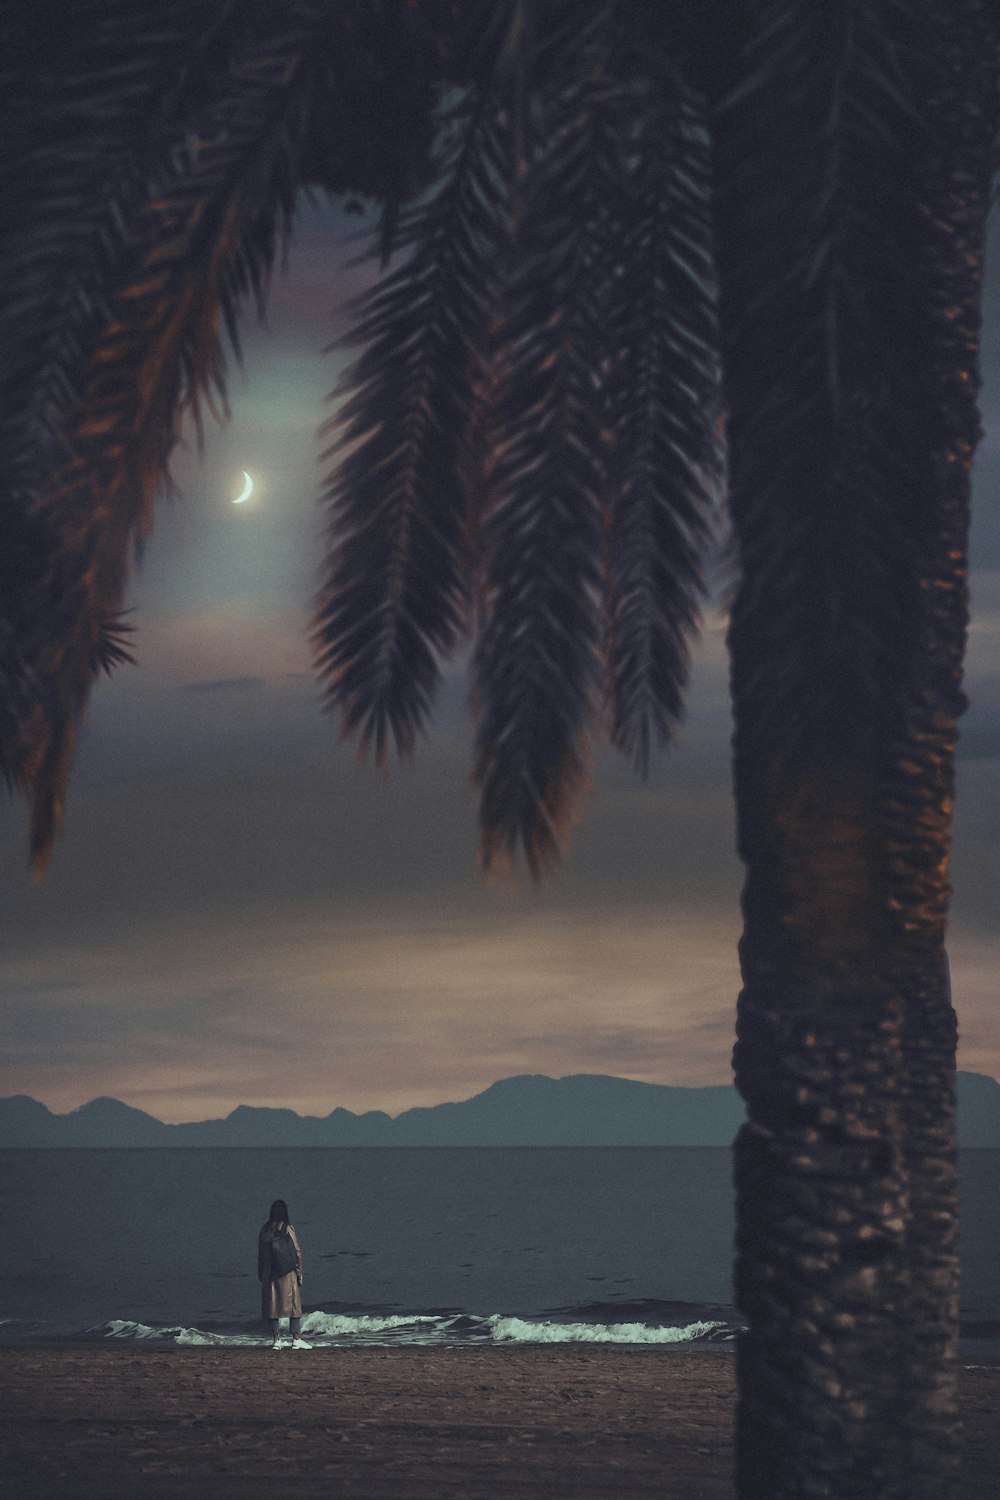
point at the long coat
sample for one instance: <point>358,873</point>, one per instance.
<point>280,1298</point>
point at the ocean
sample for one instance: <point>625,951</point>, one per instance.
<point>408,1245</point>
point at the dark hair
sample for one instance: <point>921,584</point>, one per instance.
<point>279,1212</point>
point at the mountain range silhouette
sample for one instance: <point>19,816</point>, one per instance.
<point>586,1109</point>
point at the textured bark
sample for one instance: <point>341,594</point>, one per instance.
<point>853,160</point>
<point>960,95</point>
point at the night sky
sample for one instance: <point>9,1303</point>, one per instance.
<point>238,913</point>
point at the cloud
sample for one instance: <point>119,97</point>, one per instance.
<point>370,1013</point>
<point>313,1009</point>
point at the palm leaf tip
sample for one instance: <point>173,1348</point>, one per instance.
<point>531,808</point>
<point>379,675</point>
<point>649,669</point>
<point>46,792</point>
<point>112,648</point>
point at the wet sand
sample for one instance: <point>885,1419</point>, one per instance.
<point>99,1420</point>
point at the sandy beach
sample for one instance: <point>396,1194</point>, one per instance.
<point>92,1420</point>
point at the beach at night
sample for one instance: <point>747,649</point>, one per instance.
<point>415,1424</point>
<point>522,911</point>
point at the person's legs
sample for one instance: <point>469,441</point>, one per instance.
<point>274,1331</point>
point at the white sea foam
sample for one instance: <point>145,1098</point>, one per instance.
<point>317,1325</point>
<point>195,1336</point>
<point>520,1331</point>
<point>122,1328</point>
<point>328,1329</point>
<point>339,1325</point>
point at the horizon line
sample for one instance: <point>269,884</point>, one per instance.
<point>385,1114</point>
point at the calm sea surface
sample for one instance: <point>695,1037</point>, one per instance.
<point>415,1245</point>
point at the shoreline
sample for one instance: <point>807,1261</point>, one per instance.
<point>93,1419</point>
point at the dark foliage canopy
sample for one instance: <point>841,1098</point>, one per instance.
<point>526,451</point>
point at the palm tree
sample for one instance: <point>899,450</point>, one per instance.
<point>613,222</point>
<point>850,375</point>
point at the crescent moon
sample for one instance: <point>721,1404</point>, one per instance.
<point>247,489</point>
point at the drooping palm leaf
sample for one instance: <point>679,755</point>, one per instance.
<point>537,666</point>
<point>221,133</point>
<point>396,599</point>
<point>605,423</point>
<point>224,200</point>
<point>662,401</point>
<point>557,290</point>
<point>86,99</point>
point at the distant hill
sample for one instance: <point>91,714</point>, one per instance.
<point>587,1109</point>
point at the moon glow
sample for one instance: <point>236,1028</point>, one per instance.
<point>247,490</point>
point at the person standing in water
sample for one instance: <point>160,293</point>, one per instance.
<point>279,1271</point>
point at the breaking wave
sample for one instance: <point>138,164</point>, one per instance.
<point>526,1331</point>
<point>340,1328</point>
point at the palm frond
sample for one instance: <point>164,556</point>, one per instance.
<point>662,404</point>
<point>395,600</point>
<point>84,105</point>
<point>222,202</point>
<point>557,284</point>
<point>25,542</point>
<point>537,664</point>
<point>113,649</point>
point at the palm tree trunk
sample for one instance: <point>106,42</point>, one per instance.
<point>960,93</point>
<point>854,150</point>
